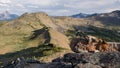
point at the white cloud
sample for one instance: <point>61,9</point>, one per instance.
<point>20,5</point>
<point>4,5</point>
<point>111,9</point>
<point>61,12</point>
<point>43,3</point>
<point>88,4</point>
<point>33,6</point>
<point>60,7</point>
<point>5,1</point>
<point>93,6</point>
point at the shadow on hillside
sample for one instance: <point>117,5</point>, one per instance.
<point>33,52</point>
<point>106,34</point>
<point>114,21</point>
<point>44,32</point>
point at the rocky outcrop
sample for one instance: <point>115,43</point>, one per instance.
<point>90,44</point>
<point>74,60</point>
<point>104,59</point>
<point>22,63</point>
<point>87,65</point>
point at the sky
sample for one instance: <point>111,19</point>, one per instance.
<point>59,7</point>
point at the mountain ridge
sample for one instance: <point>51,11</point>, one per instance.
<point>80,15</point>
<point>5,16</point>
<point>36,30</point>
<point>29,22</point>
<point>85,15</point>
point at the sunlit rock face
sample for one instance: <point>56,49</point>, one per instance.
<point>90,44</point>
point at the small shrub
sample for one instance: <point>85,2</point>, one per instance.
<point>1,63</point>
<point>49,52</point>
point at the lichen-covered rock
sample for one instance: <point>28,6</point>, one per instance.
<point>87,65</point>
<point>74,60</point>
<point>103,59</point>
<point>78,45</point>
<point>90,44</point>
<point>47,65</point>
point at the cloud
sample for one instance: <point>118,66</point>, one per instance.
<point>20,5</point>
<point>42,3</point>
<point>93,6</point>
<point>33,6</point>
<point>5,1</point>
<point>60,7</point>
<point>4,5</point>
<point>61,12</point>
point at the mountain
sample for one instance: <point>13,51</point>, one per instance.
<point>115,13</point>
<point>28,25</point>
<point>80,15</point>
<point>112,18</point>
<point>38,35</point>
<point>7,16</point>
<point>16,34</point>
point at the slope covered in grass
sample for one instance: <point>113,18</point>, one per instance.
<point>33,52</point>
<point>106,34</point>
<point>15,35</point>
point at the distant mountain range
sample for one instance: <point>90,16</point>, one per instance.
<point>111,14</point>
<point>112,18</point>
<point>7,16</point>
<point>80,15</point>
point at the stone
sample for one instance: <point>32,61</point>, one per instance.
<point>91,44</point>
<point>86,65</point>
<point>103,59</point>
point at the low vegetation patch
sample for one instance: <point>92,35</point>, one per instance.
<point>36,52</point>
<point>106,34</point>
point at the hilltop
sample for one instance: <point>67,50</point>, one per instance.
<point>39,33</point>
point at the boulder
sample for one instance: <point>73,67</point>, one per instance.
<point>90,44</point>
<point>103,59</point>
<point>87,65</point>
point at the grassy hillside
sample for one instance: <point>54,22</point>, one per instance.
<point>106,34</point>
<point>31,35</point>
<point>33,52</point>
<point>40,43</point>
<point>15,34</point>
<point>38,35</point>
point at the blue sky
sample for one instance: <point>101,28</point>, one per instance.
<point>59,7</point>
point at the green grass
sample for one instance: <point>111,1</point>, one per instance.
<point>106,34</point>
<point>70,33</point>
<point>37,52</point>
<point>17,41</point>
<point>1,23</point>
